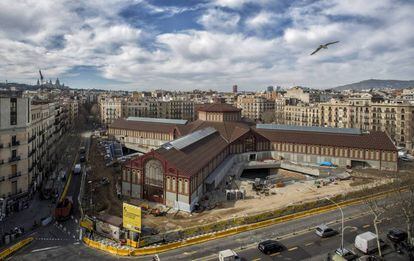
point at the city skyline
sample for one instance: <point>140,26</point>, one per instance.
<point>205,44</point>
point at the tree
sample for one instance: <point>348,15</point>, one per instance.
<point>377,211</point>
<point>403,182</point>
<point>269,116</point>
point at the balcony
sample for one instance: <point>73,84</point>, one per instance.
<point>1,162</point>
<point>15,175</point>
<point>32,152</point>
<point>31,138</point>
<point>2,179</point>
<point>1,145</point>
<point>13,159</point>
<point>14,143</point>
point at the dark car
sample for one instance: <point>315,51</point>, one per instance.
<point>397,235</point>
<point>270,246</point>
<point>82,158</point>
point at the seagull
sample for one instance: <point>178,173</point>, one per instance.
<point>323,46</point>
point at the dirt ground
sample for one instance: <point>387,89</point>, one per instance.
<point>104,196</point>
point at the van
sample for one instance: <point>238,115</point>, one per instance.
<point>366,242</point>
<point>228,255</point>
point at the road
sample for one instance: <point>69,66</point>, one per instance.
<point>61,233</point>
<point>297,235</point>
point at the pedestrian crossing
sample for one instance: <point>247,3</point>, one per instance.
<point>52,239</point>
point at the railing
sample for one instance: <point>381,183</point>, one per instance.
<point>32,151</point>
<point>15,175</point>
<point>12,159</point>
<point>1,145</point>
<point>32,138</point>
<point>14,143</point>
<point>2,179</point>
<point>1,162</point>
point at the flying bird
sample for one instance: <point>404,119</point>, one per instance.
<point>323,46</point>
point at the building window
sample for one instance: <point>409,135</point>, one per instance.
<point>13,111</point>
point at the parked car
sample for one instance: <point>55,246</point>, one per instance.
<point>344,255</point>
<point>325,231</point>
<point>82,158</point>
<point>270,246</point>
<point>397,235</point>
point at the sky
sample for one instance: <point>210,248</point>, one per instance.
<point>208,44</point>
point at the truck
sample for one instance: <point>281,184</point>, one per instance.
<point>228,255</point>
<point>63,209</point>
<point>366,242</point>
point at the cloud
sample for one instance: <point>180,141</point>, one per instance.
<point>264,18</point>
<point>228,42</point>
<point>216,19</point>
<point>238,4</point>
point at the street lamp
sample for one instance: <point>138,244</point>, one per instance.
<point>342,229</point>
<point>90,197</point>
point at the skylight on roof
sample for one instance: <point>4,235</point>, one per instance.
<point>158,120</point>
<point>309,129</point>
<point>189,139</point>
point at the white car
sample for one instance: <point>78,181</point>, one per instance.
<point>77,169</point>
<point>228,255</point>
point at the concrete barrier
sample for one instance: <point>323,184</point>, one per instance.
<point>229,232</point>
<point>8,251</point>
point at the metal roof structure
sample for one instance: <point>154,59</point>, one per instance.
<point>308,129</point>
<point>158,120</point>
<point>189,139</point>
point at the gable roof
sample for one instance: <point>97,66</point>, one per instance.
<point>143,126</point>
<point>192,158</point>
<point>374,140</point>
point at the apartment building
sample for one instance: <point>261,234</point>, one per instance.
<point>30,133</point>
<point>254,106</point>
<point>14,122</point>
<point>396,118</point>
<point>306,95</point>
<point>112,108</point>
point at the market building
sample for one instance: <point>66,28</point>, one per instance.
<point>181,170</point>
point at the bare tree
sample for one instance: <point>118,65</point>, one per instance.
<point>404,198</point>
<point>269,116</point>
<point>377,211</point>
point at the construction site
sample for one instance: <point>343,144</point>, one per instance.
<point>254,191</point>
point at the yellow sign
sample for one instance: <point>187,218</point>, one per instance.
<point>131,217</point>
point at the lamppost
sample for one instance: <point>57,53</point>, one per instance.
<point>90,195</point>
<point>342,228</point>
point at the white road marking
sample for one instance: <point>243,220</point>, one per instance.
<point>44,249</point>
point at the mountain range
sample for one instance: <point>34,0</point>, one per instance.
<point>376,84</point>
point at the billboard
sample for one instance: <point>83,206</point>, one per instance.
<point>131,217</point>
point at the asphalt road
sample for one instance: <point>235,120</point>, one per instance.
<point>60,234</point>
<point>297,235</point>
